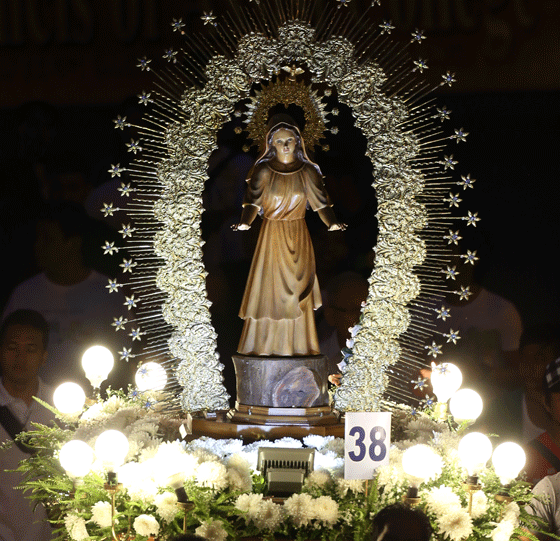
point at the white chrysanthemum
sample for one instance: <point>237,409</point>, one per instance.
<point>76,527</point>
<point>455,523</point>
<point>249,503</point>
<point>336,445</point>
<point>439,499</point>
<point>511,514</point>
<point>317,479</point>
<point>291,443</point>
<point>146,525</point>
<point>316,441</point>
<point>479,504</point>
<point>203,455</point>
<point>353,485</point>
<point>148,452</point>
<point>326,510</point>
<point>213,531</point>
<point>503,531</point>
<point>166,505</point>
<point>330,461</point>
<point>299,507</point>
<point>212,474</point>
<point>101,514</point>
<point>421,424</point>
<point>239,474</point>
<point>93,412</point>
<point>269,515</point>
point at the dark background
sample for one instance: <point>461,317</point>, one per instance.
<point>80,57</point>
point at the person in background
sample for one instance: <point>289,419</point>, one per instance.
<point>399,522</point>
<point>543,452</point>
<point>23,350</point>
<point>73,297</point>
<point>546,505</point>
<point>539,346</point>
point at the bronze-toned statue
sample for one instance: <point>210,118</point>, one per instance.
<point>282,289</point>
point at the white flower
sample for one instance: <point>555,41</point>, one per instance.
<point>249,503</point>
<point>317,479</point>
<point>511,514</point>
<point>439,499</point>
<point>335,445</point>
<point>146,525</point>
<point>299,507</point>
<point>269,515</point>
<point>326,510</point>
<point>314,440</point>
<point>330,461</point>
<point>166,505</point>
<point>455,523</point>
<point>101,514</point>
<point>479,504</point>
<point>291,443</point>
<point>344,485</point>
<point>213,530</point>
<point>76,527</point>
<point>503,531</point>
<point>212,474</point>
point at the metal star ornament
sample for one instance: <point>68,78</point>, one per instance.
<point>125,189</point>
<point>108,209</point>
<point>460,135</point>
<point>127,265</point>
<point>208,18</point>
<point>466,182</point>
<point>130,302</point>
<point>417,36</point>
<point>134,146</point>
<point>443,313</point>
<point>450,272</point>
<point>136,334</point>
<point>421,65</point>
<point>116,170</point>
<point>453,200</point>
<point>448,162</point>
<point>177,25</point>
<point>170,55</point>
<point>143,64</point>
<point>448,79</point>
<point>420,383</point>
<point>443,113</point>
<point>452,336</point>
<point>127,231</point>
<point>126,354</point>
<point>464,294</point>
<point>119,323</point>
<point>120,123</point>
<point>113,285</point>
<point>434,349</point>
<point>453,237</point>
<point>386,27</point>
<point>472,218</point>
<point>469,257</point>
<point>144,98</point>
<point>109,248</point>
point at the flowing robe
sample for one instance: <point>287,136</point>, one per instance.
<point>282,289</point>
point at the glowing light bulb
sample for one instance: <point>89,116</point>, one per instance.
<point>465,405</point>
<point>446,379</point>
<point>420,463</point>
<point>508,460</point>
<point>97,362</point>
<point>151,377</point>
<point>111,447</point>
<point>474,451</point>
<point>69,398</point>
<point>76,457</point>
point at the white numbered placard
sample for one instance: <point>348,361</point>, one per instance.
<point>366,443</point>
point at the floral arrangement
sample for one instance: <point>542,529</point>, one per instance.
<point>228,496</point>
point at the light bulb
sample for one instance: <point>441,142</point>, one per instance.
<point>151,377</point>
<point>508,460</point>
<point>474,451</point>
<point>420,462</point>
<point>446,378</point>
<point>69,398</point>
<point>465,405</point>
<point>111,447</point>
<point>76,457</point>
<point>97,362</point>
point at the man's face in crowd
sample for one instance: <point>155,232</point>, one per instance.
<point>21,354</point>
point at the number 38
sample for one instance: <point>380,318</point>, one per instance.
<point>377,448</point>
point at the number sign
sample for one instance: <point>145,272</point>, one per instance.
<point>366,443</point>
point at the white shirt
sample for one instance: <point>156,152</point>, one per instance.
<point>79,316</point>
<point>18,521</point>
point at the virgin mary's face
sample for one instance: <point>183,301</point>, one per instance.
<point>284,141</point>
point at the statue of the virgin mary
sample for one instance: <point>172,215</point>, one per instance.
<point>282,289</point>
